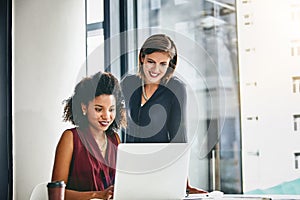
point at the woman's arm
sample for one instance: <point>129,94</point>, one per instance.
<point>75,195</point>
<point>62,162</point>
<point>194,190</point>
<point>63,157</point>
<point>177,118</point>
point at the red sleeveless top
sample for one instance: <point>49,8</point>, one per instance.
<point>89,171</point>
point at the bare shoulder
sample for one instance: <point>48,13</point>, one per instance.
<point>67,135</point>
<point>63,156</point>
<point>66,138</point>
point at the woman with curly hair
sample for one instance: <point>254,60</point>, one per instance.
<point>85,156</point>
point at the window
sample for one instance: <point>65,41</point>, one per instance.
<point>205,34</point>
<point>297,160</point>
<point>94,36</point>
<point>296,84</point>
<point>295,48</point>
<point>296,122</point>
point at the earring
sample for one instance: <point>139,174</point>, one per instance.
<point>84,113</point>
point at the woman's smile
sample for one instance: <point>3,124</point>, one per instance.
<point>153,74</point>
<point>104,123</point>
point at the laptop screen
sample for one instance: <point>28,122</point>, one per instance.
<point>151,171</point>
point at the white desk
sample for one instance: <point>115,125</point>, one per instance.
<point>240,197</point>
<point>243,197</point>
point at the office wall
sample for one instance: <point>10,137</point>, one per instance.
<point>269,57</point>
<point>48,60</point>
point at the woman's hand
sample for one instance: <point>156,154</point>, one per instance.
<point>103,194</point>
<point>194,190</point>
<point>107,193</point>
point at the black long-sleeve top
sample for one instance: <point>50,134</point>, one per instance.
<point>162,119</point>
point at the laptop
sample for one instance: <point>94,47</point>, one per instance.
<point>151,171</point>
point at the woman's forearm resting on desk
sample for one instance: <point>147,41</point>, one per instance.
<point>76,195</point>
<point>194,190</point>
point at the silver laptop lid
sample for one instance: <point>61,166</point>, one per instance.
<point>151,171</point>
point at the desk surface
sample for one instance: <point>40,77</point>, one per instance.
<point>243,197</point>
<point>240,197</point>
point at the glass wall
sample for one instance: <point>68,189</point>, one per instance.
<point>205,34</point>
